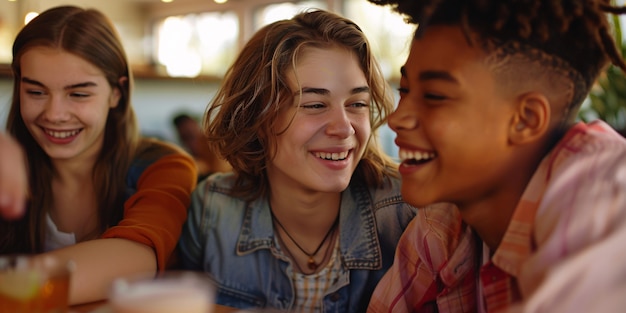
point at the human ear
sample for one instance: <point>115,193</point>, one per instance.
<point>116,92</point>
<point>531,119</point>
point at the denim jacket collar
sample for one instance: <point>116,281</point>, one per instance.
<point>357,229</point>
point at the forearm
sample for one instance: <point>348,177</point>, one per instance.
<point>98,262</point>
<point>13,178</point>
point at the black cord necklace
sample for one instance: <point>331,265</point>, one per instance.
<point>311,264</point>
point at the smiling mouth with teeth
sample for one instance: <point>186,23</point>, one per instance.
<point>62,134</point>
<point>334,156</point>
<point>415,157</point>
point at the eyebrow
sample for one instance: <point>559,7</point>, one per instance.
<point>325,92</point>
<point>432,75</point>
<point>79,85</point>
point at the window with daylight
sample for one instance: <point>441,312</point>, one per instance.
<point>273,12</point>
<point>197,44</point>
<point>206,43</point>
<point>387,32</point>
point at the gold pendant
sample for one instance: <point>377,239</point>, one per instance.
<point>311,264</point>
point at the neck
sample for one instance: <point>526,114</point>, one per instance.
<point>306,229</point>
<point>313,261</point>
<point>74,208</point>
<point>490,221</point>
<point>490,215</point>
<point>310,214</point>
<point>74,169</point>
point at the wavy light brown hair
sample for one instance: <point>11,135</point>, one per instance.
<point>91,36</point>
<point>571,39</point>
<point>240,119</point>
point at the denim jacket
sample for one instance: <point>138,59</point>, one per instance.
<point>233,241</point>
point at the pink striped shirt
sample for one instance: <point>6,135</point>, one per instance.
<point>574,203</point>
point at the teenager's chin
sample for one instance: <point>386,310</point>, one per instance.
<point>416,197</point>
<point>337,186</point>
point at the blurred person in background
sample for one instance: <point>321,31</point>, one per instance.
<point>192,138</point>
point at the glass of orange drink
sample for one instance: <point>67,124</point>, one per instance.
<point>34,283</point>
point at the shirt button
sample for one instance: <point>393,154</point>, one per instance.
<point>335,297</point>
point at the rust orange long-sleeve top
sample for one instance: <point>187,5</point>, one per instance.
<point>160,184</point>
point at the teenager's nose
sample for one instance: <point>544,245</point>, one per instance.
<point>56,110</point>
<point>403,118</point>
<point>340,124</point>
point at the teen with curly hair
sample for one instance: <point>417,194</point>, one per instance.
<point>486,120</point>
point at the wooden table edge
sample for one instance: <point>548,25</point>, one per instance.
<point>92,306</point>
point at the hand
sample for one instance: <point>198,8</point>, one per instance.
<point>13,179</point>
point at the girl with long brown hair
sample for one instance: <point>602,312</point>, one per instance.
<point>100,195</point>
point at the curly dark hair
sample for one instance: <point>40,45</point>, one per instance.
<point>575,32</point>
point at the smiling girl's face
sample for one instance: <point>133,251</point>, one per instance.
<point>64,102</point>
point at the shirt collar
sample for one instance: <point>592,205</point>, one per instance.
<point>518,244</point>
<point>357,229</point>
